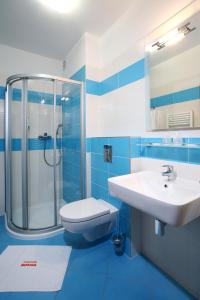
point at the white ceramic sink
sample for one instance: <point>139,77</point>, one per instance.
<point>175,203</point>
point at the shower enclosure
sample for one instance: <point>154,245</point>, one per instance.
<point>45,151</point>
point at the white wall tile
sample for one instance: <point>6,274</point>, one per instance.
<point>76,58</point>
<point>16,61</point>
<point>122,111</point>
<point>40,119</point>
<point>93,116</point>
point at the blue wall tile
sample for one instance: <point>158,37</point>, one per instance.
<point>88,144</point>
<point>101,171</point>
<point>79,75</point>
<point>177,97</point>
<point>36,144</point>
<point>93,87</point>
<point>161,101</point>
<point>99,192</point>
<point>187,95</point>
<point>16,144</point>
<point>33,144</point>
<point>132,73</point>
<point>115,201</point>
<point>135,147</point>
<point>109,84</point>
<point>120,146</point>
<point>97,145</point>
<point>2,92</point>
<point>99,177</point>
<point>194,140</point>
<point>16,94</point>
<point>2,145</point>
<point>97,162</point>
<point>119,166</point>
<point>194,156</point>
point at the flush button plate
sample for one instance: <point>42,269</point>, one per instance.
<point>108,153</point>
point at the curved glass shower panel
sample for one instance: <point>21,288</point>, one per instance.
<point>40,137</point>
<point>71,120</point>
<point>45,154</point>
<point>58,133</point>
<point>16,130</point>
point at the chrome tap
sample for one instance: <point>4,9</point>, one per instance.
<point>170,173</point>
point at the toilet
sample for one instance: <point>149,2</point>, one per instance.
<point>90,217</point>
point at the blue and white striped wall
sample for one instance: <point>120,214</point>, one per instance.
<point>122,96</point>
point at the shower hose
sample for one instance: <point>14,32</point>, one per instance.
<point>45,138</point>
<point>45,159</point>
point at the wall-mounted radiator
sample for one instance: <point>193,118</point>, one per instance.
<point>180,119</point>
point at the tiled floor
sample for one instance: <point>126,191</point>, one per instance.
<point>96,273</point>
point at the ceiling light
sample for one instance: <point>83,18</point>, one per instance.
<point>61,6</point>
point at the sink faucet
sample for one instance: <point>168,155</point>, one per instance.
<point>170,173</point>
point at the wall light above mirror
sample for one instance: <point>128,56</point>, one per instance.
<point>173,71</point>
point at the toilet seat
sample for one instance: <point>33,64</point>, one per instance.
<point>83,210</point>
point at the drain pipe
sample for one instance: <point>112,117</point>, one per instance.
<point>159,227</point>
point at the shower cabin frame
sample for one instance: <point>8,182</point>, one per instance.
<point>8,162</point>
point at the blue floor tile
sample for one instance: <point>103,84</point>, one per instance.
<point>140,280</point>
<point>92,261</point>
<point>28,296</point>
<point>78,287</point>
<point>121,288</point>
<point>96,273</point>
<point>139,288</point>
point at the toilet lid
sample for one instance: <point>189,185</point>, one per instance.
<point>83,210</point>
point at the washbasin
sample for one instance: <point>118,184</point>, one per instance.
<point>175,203</point>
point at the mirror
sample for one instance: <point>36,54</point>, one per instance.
<point>173,66</point>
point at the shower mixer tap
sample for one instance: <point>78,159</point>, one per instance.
<point>44,137</point>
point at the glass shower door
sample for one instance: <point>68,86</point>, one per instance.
<point>72,142</point>
<point>40,154</point>
<point>44,150</point>
<point>15,137</point>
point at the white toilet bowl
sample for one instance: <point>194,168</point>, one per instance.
<point>92,218</point>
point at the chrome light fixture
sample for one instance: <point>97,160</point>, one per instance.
<point>171,38</point>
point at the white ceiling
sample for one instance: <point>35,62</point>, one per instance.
<point>28,25</point>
